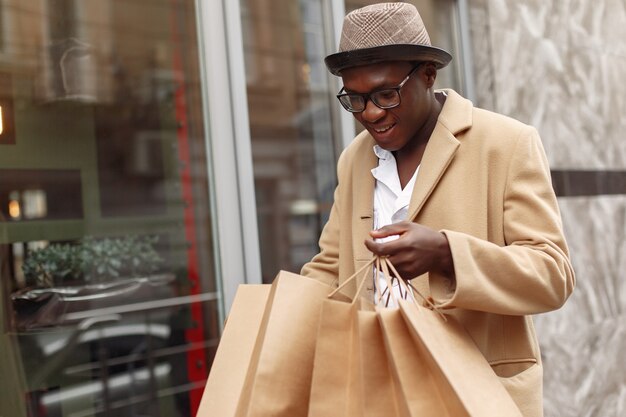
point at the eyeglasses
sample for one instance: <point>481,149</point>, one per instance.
<point>386,98</point>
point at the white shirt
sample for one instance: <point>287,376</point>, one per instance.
<point>391,201</point>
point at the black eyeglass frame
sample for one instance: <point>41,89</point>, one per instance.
<point>371,95</point>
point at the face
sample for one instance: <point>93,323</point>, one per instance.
<point>394,129</point>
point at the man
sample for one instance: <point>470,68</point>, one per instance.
<point>459,198</point>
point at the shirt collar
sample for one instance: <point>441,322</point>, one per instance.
<point>382,153</point>
<point>386,171</point>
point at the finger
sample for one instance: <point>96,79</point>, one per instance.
<point>384,248</point>
<point>377,248</point>
<point>389,230</point>
<point>399,260</point>
<point>372,246</point>
<point>396,260</point>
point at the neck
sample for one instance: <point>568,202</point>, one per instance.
<point>410,156</point>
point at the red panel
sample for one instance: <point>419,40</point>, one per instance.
<point>196,360</point>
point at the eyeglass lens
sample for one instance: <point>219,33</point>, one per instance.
<point>384,99</point>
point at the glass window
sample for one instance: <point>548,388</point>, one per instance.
<point>108,298</point>
<point>291,124</point>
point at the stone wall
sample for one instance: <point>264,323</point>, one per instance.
<point>560,65</point>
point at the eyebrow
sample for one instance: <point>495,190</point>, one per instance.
<point>383,86</point>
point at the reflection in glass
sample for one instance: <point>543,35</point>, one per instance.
<point>291,127</point>
<point>7,133</point>
<point>107,286</point>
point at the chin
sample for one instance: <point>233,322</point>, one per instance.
<point>390,146</point>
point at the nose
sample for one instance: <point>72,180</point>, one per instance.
<point>372,112</point>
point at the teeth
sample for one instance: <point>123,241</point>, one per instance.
<point>384,129</point>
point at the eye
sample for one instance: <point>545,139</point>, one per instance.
<point>386,94</point>
<point>351,102</point>
<point>355,101</point>
<point>386,97</point>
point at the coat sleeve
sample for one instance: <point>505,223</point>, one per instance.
<point>531,273</point>
<point>325,265</point>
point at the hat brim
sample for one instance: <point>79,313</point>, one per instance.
<point>404,52</point>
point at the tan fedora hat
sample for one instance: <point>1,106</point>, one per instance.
<point>384,32</point>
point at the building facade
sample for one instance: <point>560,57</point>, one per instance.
<point>560,66</point>
<point>156,154</point>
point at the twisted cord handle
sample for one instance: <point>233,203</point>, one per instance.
<point>383,265</point>
<point>353,277</point>
<point>410,288</point>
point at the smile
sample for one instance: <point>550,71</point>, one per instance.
<point>384,129</point>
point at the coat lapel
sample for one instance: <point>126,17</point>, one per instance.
<point>439,153</point>
<point>455,117</point>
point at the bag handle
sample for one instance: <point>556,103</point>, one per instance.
<point>383,267</point>
<point>354,276</point>
<point>384,264</point>
<point>404,285</point>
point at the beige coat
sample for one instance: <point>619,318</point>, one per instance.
<point>485,182</point>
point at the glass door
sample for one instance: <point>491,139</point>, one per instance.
<point>108,294</point>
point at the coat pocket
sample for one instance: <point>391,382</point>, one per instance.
<point>523,379</point>
<point>512,367</point>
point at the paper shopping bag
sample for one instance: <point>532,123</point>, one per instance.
<point>230,365</point>
<point>278,380</point>
<point>334,381</point>
<point>462,375</point>
<point>418,393</point>
<point>351,376</point>
<point>380,392</point>
<point>440,370</point>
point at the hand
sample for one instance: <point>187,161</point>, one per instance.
<point>418,249</point>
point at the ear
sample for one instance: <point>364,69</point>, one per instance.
<point>430,74</point>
